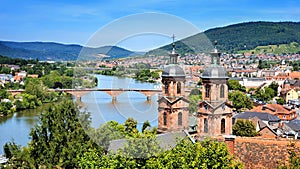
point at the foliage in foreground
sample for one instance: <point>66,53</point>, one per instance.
<point>208,154</point>
<point>56,141</point>
<point>60,140</point>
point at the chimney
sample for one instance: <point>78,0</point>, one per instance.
<point>229,141</point>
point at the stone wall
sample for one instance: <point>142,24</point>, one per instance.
<point>263,152</point>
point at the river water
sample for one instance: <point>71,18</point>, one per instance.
<point>129,104</point>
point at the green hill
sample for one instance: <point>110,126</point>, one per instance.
<point>57,51</point>
<point>237,37</point>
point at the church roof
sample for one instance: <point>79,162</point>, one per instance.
<point>173,71</point>
<point>215,72</point>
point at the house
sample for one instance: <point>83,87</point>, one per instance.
<point>266,124</point>
<point>282,112</point>
<point>290,94</point>
<point>257,118</point>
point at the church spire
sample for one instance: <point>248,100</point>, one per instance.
<point>173,55</point>
<point>215,55</point>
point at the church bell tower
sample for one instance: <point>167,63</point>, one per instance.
<point>173,105</point>
<point>214,111</point>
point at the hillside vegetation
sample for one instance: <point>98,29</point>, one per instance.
<point>237,37</point>
<point>57,51</point>
<point>293,47</point>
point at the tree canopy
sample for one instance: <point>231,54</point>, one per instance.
<point>244,128</point>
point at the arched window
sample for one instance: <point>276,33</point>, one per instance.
<point>165,118</point>
<point>222,91</point>
<point>205,125</point>
<point>178,88</point>
<point>166,88</point>
<point>179,119</point>
<point>207,90</point>
<point>223,126</point>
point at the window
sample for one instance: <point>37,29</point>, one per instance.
<point>222,91</point>
<point>205,125</point>
<point>166,88</point>
<point>284,116</point>
<point>223,126</point>
<point>165,118</point>
<point>207,90</point>
<point>178,88</point>
<point>179,119</point>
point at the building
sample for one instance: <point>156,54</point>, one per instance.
<point>282,112</point>
<point>173,107</point>
<point>214,111</point>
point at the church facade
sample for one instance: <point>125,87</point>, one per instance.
<point>214,116</point>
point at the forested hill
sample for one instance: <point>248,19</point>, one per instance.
<point>57,51</point>
<point>242,36</point>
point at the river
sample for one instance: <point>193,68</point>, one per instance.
<point>129,104</point>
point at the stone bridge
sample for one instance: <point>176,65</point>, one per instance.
<point>78,93</point>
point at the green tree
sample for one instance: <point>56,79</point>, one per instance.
<point>194,98</point>
<point>265,94</point>
<point>280,100</point>
<point>130,127</point>
<point>274,86</point>
<point>145,125</point>
<point>240,100</point>
<point>244,128</point>
<point>235,85</point>
<point>58,140</point>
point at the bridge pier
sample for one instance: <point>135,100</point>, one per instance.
<point>114,99</point>
<point>78,99</point>
<point>148,99</point>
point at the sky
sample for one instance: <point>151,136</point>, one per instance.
<point>77,22</point>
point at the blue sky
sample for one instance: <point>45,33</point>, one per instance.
<point>74,22</point>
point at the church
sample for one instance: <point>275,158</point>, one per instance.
<point>214,116</point>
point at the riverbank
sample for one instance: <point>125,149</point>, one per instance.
<point>17,126</point>
<point>143,74</point>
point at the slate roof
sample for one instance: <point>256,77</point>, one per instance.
<point>173,71</point>
<point>294,125</point>
<point>260,115</point>
<point>214,72</point>
<point>166,141</point>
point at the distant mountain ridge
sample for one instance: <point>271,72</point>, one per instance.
<point>237,37</point>
<point>57,51</point>
<point>232,39</point>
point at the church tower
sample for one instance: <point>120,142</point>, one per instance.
<point>214,111</point>
<point>172,105</point>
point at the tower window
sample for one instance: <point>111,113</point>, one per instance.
<point>165,118</point>
<point>207,90</point>
<point>166,88</point>
<point>178,88</point>
<point>222,91</point>
<point>179,119</point>
<point>223,126</point>
<point>205,125</point>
